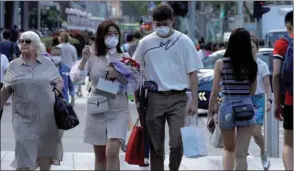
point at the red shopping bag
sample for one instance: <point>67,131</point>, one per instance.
<point>135,146</point>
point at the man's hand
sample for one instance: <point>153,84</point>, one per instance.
<point>72,101</point>
<point>269,106</point>
<point>278,112</point>
<point>192,109</point>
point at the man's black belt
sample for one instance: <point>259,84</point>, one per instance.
<point>170,92</point>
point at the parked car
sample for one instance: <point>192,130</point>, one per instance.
<point>206,75</point>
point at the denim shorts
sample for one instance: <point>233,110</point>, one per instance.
<point>226,117</point>
<point>259,105</point>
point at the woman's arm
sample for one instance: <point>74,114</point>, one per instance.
<point>215,87</point>
<point>253,87</point>
<point>5,93</point>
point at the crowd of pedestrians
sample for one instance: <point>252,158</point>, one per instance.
<point>169,63</point>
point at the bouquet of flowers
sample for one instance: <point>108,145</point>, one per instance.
<point>131,70</point>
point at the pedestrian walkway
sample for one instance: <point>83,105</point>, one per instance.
<point>85,161</point>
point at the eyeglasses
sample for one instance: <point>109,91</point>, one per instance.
<point>27,41</point>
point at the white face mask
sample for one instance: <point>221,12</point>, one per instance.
<point>162,30</point>
<point>56,59</point>
<point>111,42</point>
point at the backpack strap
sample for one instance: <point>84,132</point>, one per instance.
<point>288,38</point>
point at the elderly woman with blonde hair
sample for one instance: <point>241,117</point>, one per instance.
<point>30,80</point>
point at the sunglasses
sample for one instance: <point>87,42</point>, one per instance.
<point>27,41</point>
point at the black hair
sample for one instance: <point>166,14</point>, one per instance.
<point>289,17</point>
<point>162,12</point>
<point>137,35</point>
<point>6,34</point>
<point>130,37</point>
<point>239,50</point>
<point>55,41</point>
<point>102,30</point>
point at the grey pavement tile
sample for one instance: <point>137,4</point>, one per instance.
<point>3,153</point>
<point>276,163</point>
<point>9,156</point>
<point>202,163</point>
<point>5,165</point>
<point>218,160</point>
<point>84,161</point>
<point>67,162</point>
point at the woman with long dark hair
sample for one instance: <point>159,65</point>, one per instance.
<point>106,131</point>
<point>237,73</point>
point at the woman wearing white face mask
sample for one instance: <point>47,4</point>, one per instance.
<point>105,131</point>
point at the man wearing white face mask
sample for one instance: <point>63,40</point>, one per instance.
<point>169,58</point>
<point>64,72</point>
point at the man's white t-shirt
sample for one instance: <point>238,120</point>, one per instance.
<point>167,61</point>
<point>4,66</point>
<point>263,71</point>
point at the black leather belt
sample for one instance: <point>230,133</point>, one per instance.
<point>170,92</point>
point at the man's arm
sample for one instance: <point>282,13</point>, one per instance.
<point>194,87</point>
<point>276,81</point>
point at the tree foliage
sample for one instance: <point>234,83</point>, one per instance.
<point>136,8</point>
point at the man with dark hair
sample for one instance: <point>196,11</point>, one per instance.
<point>133,46</point>
<point>170,62</point>
<point>7,47</point>
<point>283,88</point>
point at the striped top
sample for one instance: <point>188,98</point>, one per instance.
<point>232,87</point>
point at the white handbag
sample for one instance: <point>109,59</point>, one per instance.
<point>97,104</point>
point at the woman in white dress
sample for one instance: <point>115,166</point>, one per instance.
<point>106,131</point>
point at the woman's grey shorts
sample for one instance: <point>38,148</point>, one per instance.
<point>225,116</point>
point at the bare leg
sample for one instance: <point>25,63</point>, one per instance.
<point>229,148</point>
<point>45,163</point>
<point>259,138</point>
<point>112,154</point>
<point>288,149</point>
<point>100,157</point>
<point>242,143</point>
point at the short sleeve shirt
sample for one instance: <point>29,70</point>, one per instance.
<point>263,71</point>
<point>168,61</point>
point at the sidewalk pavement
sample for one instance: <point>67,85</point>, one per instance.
<point>85,161</point>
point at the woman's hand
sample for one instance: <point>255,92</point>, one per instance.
<point>86,53</point>
<point>112,73</point>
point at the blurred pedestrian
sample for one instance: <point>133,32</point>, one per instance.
<point>169,59</point>
<point>283,88</point>
<point>222,46</point>
<point>105,131</point>
<point>68,51</point>
<point>129,41</point>
<point>238,73</point>
<point>133,46</point>
<point>68,87</point>
<point>4,65</point>
<point>7,47</point>
<point>30,79</point>
<point>263,87</point>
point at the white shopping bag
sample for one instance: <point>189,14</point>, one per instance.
<point>194,143</point>
<point>216,139</point>
<point>107,88</point>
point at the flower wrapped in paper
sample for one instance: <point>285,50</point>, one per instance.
<point>131,70</point>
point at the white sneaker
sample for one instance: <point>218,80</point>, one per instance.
<point>265,161</point>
